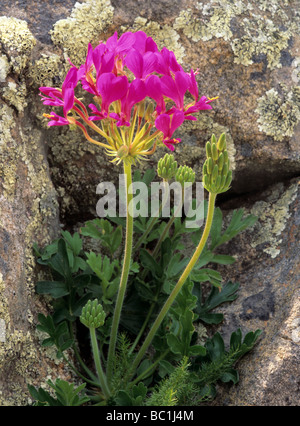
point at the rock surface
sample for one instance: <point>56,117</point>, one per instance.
<point>248,54</point>
<point>268,270</point>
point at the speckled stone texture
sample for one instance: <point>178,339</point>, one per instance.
<point>248,54</point>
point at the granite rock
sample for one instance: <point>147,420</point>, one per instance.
<point>248,54</point>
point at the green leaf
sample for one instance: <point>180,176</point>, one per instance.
<point>60,261</point>
<point>215,347</point>
<point>228,293</point>
<point>56,289</point>
<point>116,240</point>
<point>236,225</point>
<point>230,375</point>
<point>123,399</point>
<point>148,261</point>
<point>174,344</point>
<point>74,242</point>
<point>42,397</point>
<point>216,227</point>
<point>197,350</point>
<point>206,274</point>
<point>67,394</point>
<point>223,259</point>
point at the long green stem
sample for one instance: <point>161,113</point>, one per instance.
<point>100,373</point>
<point>178,286</point>
<point>124,275</point>
<point>79,359</point>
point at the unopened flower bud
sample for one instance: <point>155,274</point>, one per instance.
<point>209,165</point>
<point>167,167</point>
<point>184,175</point>
<point>213,139</point>
<point>214,151</point>
<point>221,145</point>
<point>208,149</point>
<point>92,314</point>
<point>216,174</point>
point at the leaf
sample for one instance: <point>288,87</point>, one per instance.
<point>59,334</point>
<point>206,274</point>
<point>60,261</point>
<point>174,344</point>
<point>230,375</point>
<point>228,293</point>
<point>116,240</point>
<point>74,242</point>
<point>94,228</point>
<point>223,259</point>
<point>216,227</point>
<point>148,261</point>
<point>197,350</point>
<point>42,397</point>
<point>123,399</point>
<point>236,225</point>
<point>56,289</point>
<point>215,347</point>
<point>67,394</point>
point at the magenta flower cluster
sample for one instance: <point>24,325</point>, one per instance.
<point>124,75</point>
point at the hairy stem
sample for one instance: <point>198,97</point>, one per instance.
<point>100,373</point>
<point>178,286</point>
<point>125,273</point>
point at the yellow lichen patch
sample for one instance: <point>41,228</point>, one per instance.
<point>49,70</point>
<point>4,68</point>
<point>15,94</point>
<point>163,35</point>
<point>86,22</point>
<point>262,37</point>
<point>279,113</point>
<point>17,40</point>
<point>255,23</point>
<point>210,20</point>
<point>273,215</point>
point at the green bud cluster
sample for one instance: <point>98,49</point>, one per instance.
<point>92,314</point>
<point>167,167</point>
<point>185,175</point>
<point>216,174</point>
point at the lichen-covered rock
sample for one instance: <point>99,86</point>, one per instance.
<point>246,52</point>
<point>28,214</point>
<point>268,270</point>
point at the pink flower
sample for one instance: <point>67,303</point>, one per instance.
<point>99,115</point>
<point>193,86</point>
<point>141,65</point>
<point>124,75</point>
<point>135,94</point>
<point>121,46</point>
<point>201,105</point>
<point>143,43</point>
<point>56,120</point>
<point>154,91</point>
<point>168,124</point>
<point>65,96</point>
<point>175,89</point>
<point>167,63</point>
<point>111,88</point>
<point>103,61</point>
